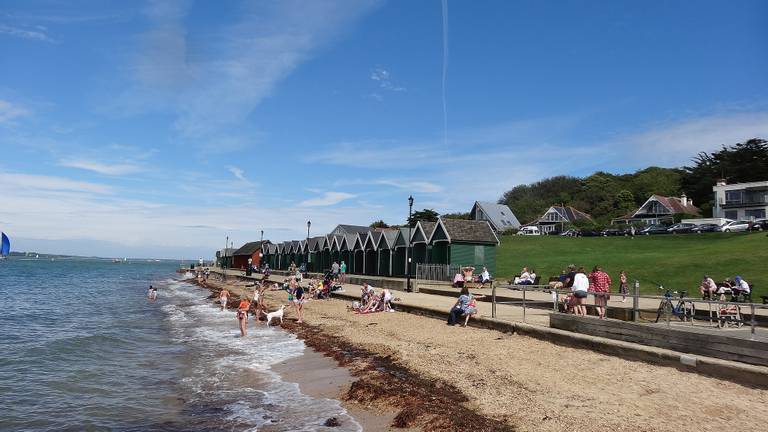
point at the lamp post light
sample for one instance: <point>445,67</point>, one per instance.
<point>262,235</point>
<point>408,250</point>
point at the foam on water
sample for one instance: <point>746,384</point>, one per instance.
<point>234,373</point>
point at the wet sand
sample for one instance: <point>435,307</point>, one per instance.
<point>438,377</point>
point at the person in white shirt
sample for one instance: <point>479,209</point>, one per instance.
<point>525,278</point>
<point>741,286</point>
<point>579,289</point>
<point>485,277</point>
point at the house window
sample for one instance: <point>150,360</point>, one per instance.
<point>734,197</point>
<point>502,213</point>
<point>754,213</point>
<point>731,214</point>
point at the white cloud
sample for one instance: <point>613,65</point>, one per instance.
<point>101,167</point>
<point>676,143</point>
<point>411,185</point>
<point>26,182</point>
<point>10,112</point>
<point>384,78</point>
<point>327,199</point>
<point>239,174</point>
<point>38,34</point>
<point>218,82</point>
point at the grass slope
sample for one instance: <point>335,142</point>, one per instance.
<point>676,261</point>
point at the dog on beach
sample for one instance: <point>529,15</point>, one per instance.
<point>276,314</point>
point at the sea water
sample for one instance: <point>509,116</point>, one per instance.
<point>82,348</point>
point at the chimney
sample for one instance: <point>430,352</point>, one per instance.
<point>684,199</point>
<point>720,182</point>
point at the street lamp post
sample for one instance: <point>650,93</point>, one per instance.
<point>408,250</point>
<point>224,258</point>
<point>306,245</point>
<point>262,235</point>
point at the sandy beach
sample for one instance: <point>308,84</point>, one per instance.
<point>434,377</point>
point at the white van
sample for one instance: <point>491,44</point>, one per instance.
<point>529,230</point>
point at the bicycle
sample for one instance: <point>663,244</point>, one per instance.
<point>683,310</point>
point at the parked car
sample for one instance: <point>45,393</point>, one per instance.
<point>613,232</point>
<point>759,225</point>
<point>681,228</point>
<point>529,230</point>
<point>735,226</point>
<point>654,229</point>
<point>571,233</point>
<point>590,233</point>
<point>708,227</point>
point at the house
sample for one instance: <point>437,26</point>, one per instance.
<point>464,242</point>
<point>660,209</point>
<point>499,216</point>
<point>248,251</point>
<point>420,246</point>
<point>740,201</point>
<point>556,217</point>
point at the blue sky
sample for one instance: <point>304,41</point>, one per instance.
<point>158,128</point>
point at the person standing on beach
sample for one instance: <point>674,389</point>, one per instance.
<point>258,299</point>
<point>335,270</point>
<point>298,301</point>
<point>343,269</point>
<point>579,289</point>
<point>623,285</point>
<point>223,299</point>
<point>242,315</point>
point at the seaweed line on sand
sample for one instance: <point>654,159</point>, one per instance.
<point>426,403</point>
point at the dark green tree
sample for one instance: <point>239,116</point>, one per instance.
<point>739,163</point>
<point>457,215</point>
<point>428,215</point>
<point>379,224</point>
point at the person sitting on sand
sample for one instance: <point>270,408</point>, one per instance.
<point>471,309</point>
<point>387,298</point>
<point>223,299</point>
<point>458,280</point>
<point>242,315</point>
<point>458,309</point>
<point>741,286</point>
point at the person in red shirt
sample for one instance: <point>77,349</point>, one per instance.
<point>600,285</point>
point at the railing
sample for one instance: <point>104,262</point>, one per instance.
<point>719,312</point>
<point>437,272</point>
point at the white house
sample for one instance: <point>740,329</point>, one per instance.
<point>740,201</point>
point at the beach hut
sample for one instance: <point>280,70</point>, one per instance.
<point>336,248</point>
<point>284,255</point>
<point>347,253</point>
<point>313,254</point>
<point>325,254</point>
<point>370,248</point>
<point>358,251</point>
<point>385,247</point>
<point>248,251</point>
<point>399,252</point>
<point>464,242</point>
<point>420,246</point>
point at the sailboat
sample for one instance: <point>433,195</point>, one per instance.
<point>5,247</point>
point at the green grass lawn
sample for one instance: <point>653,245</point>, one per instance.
<point>676,261</point>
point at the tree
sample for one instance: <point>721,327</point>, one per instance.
<point>457,215</point>
<point>739,163</point>
<point>625,202</point>
<point>428,215</point>
<point>379,224</point>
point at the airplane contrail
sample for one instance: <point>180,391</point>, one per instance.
<point>445,71</point>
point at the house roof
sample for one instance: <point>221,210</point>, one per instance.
<point>313,243</point>
<point>674,204</point>
<point>388,238</point>
<point>500,216</point>
<point>568,213</point>
<point>351,229</point>
<point>248,248</point>
<point>373,237</point>
<point>294,247</point>
<point>468,231</point>
<point>402,237</point>
<point>426,228</point>
<point>271,249</point>
<point>226,252</point>
<point>349,240</point>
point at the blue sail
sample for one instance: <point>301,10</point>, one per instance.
<point>5,249</point>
